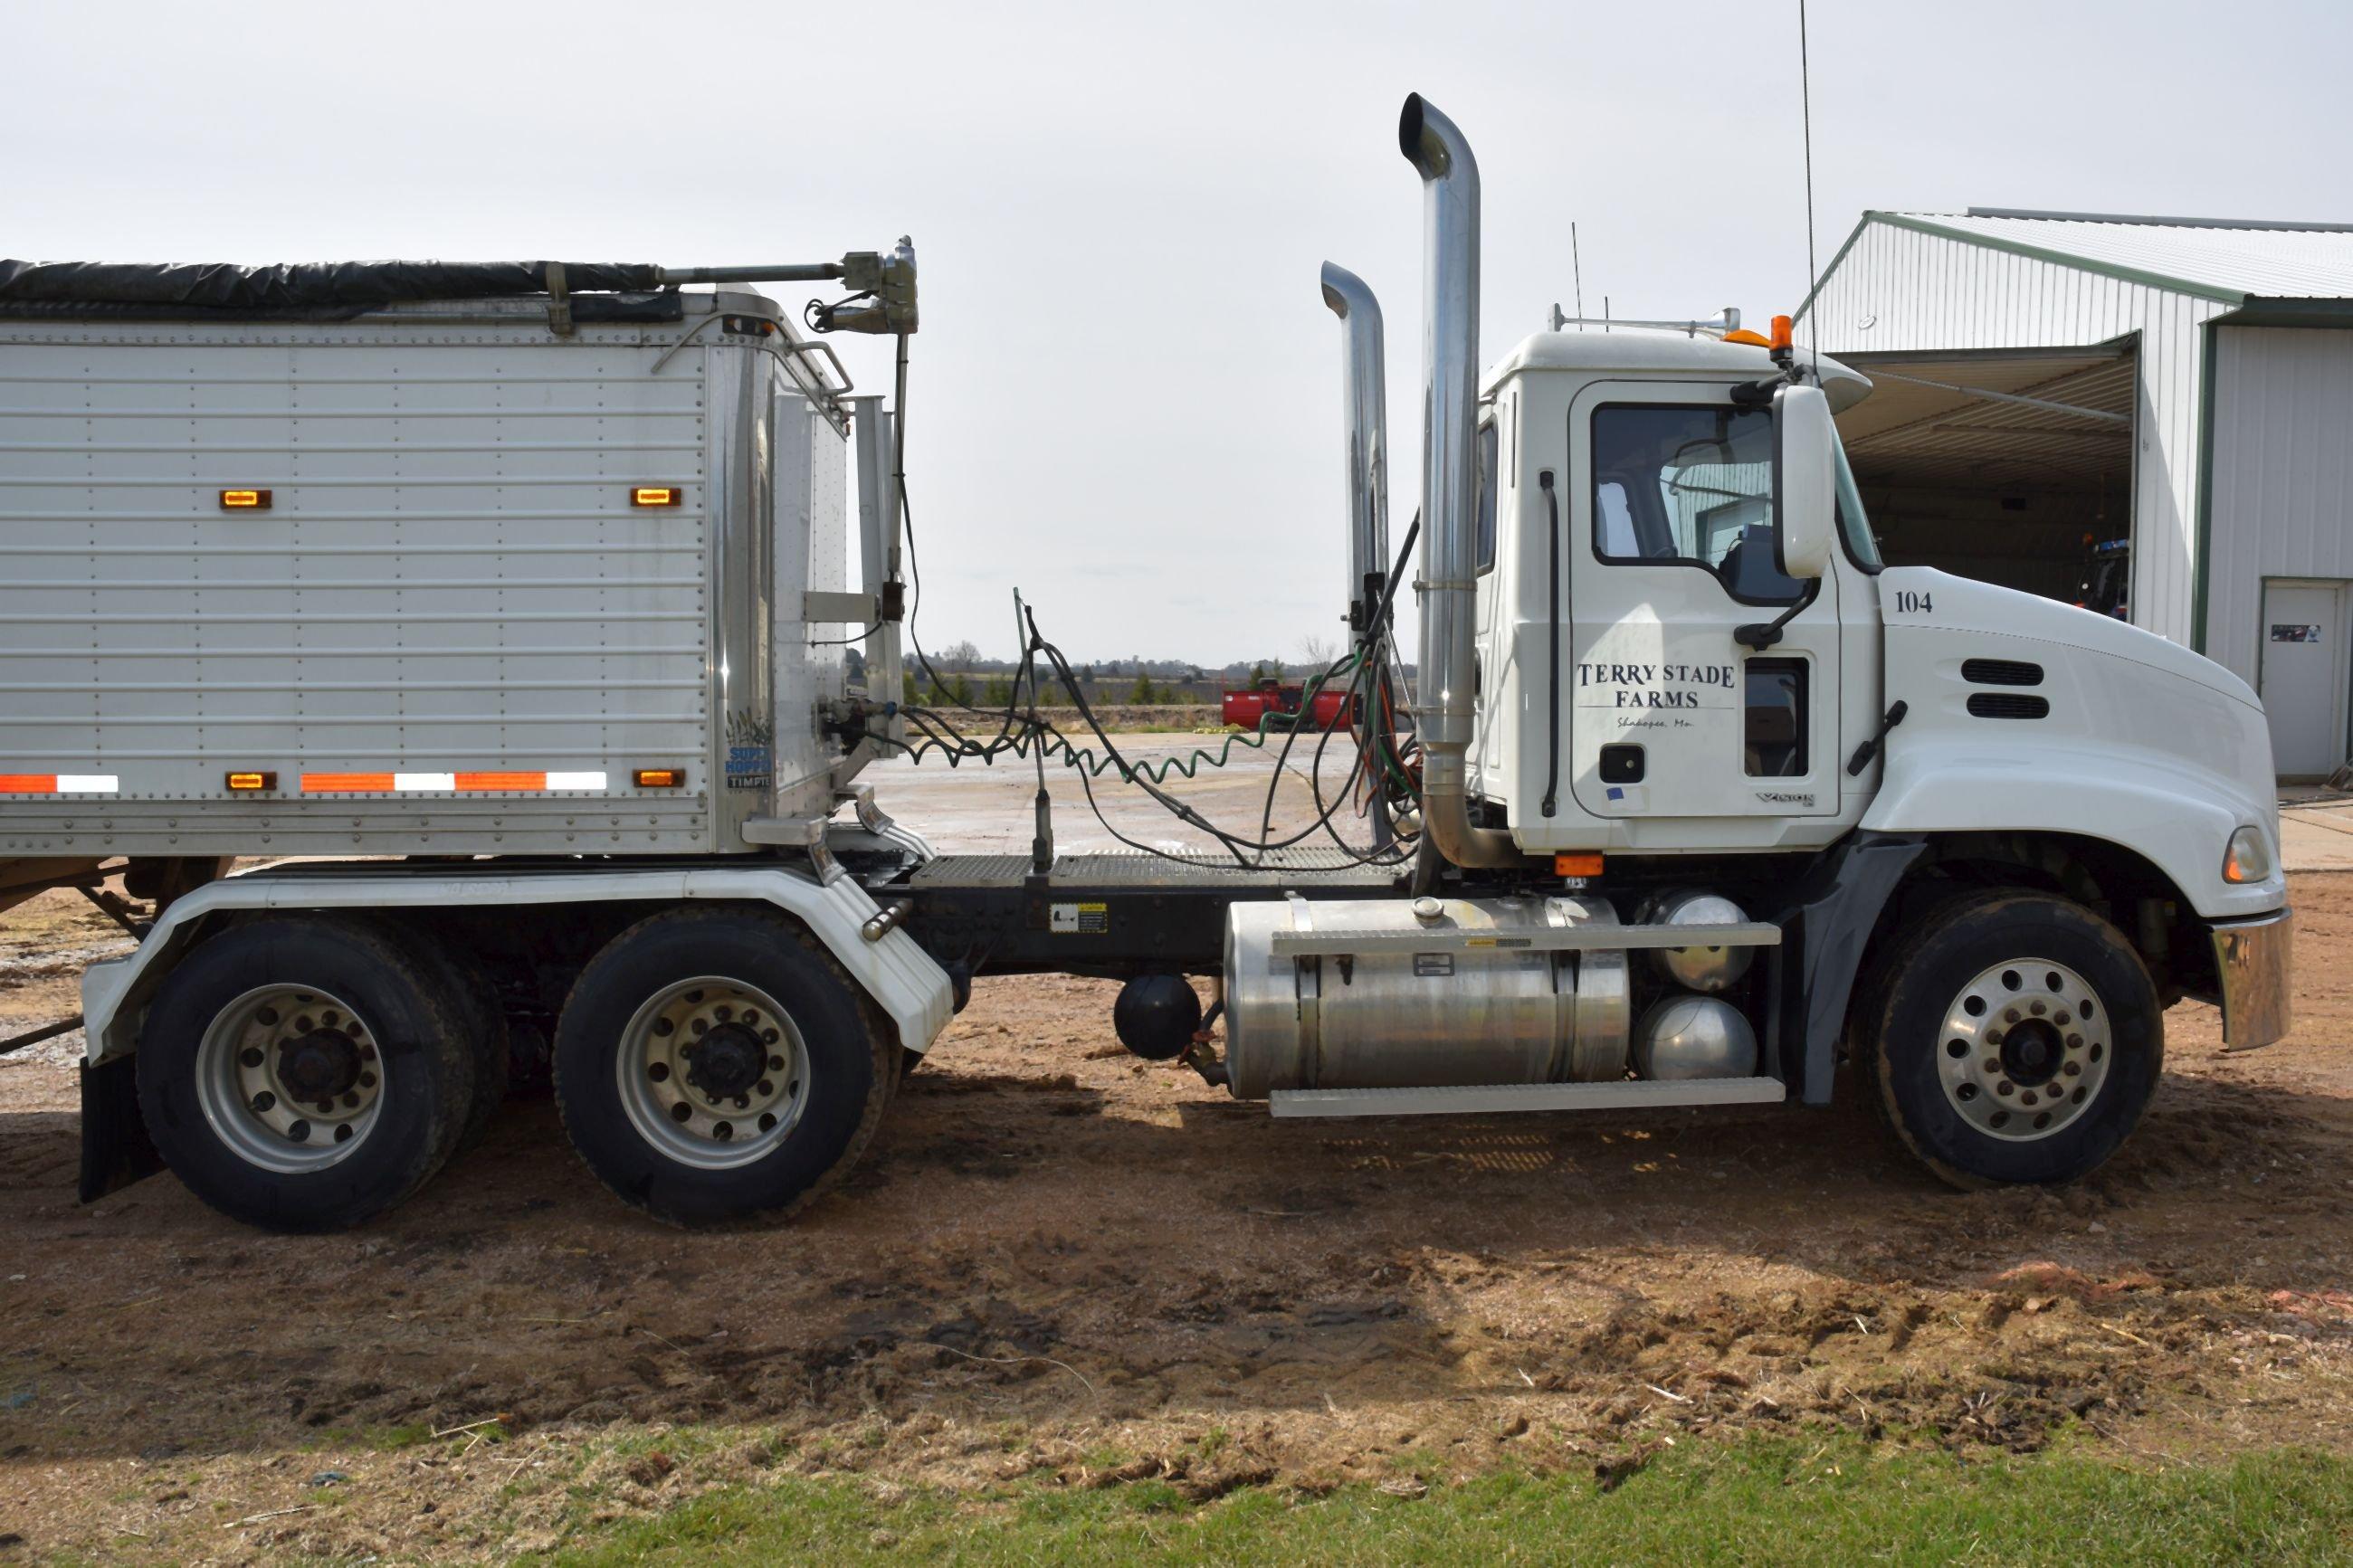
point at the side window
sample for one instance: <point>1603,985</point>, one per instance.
<point>1486,497</point>
<point>1691,483</point>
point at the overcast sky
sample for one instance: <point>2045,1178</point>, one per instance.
<point>1125,393</point>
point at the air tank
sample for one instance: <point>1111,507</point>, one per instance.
<point>1688,1037</point>
<point>1707,969</point>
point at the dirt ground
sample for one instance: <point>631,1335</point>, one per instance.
<point>1059,1263</point>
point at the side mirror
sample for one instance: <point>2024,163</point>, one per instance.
<point>1805,479</point>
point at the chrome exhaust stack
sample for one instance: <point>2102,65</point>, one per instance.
<point>1450,415</point>
<point>1364,395</point>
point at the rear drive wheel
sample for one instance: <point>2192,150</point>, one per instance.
<point>482,1016</point>
<point>715,1064</point>
<point>304,1075</point>
<point>2018,1039</point>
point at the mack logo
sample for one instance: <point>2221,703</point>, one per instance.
<point>1785,798</point>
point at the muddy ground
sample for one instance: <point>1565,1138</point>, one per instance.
<point>1059,1264</point>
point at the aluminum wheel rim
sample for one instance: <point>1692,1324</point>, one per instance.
<point>290,1078</point>
<point>711,1115</point>
<point>2025,1049</point>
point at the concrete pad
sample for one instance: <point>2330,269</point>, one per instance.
<point>2316,837</point>
<point>988,809</point>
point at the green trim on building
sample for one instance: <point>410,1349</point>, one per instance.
<point>2269,311</point>
<point>1860,224</point>
<point>2202,527</point>
<point>2059,258</point>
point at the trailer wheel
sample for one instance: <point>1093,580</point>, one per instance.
<point>467,981</point>
<point>304,1075</point>
<point>2018,1039</point>
<point>714,1064</point>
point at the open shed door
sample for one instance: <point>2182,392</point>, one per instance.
<point>2011,466</point>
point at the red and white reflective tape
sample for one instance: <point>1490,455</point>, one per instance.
<point>60,783</point>
<point>450,784</point>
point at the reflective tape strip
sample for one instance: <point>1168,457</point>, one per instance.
<point>513,782</point>
<point>60,783</point>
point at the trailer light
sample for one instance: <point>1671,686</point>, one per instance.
<point>253,781</point>
<point>1782,336</point>
<point>2248,858</point>
<point>244,500</point>
<point>1580,865</point>
<point>656,495</point>
<point>660,778</point>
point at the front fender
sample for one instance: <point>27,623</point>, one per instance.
<point>2176,817</point>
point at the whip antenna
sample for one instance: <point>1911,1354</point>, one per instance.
<point>1806,113</point>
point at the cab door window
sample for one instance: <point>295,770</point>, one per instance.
<point>1689,484</point>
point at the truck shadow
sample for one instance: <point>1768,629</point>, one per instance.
<point>1027,1247</point>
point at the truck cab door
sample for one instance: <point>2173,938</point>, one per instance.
<point>1674,547</point>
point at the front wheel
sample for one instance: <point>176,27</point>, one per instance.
<point>2016,1038</point>
<point>714,1064</point>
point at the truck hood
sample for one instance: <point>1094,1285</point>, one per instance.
<point>1962,603</point>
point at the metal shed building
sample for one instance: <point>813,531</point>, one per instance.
<point>2060,393</point>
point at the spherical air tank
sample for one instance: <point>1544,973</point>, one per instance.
<point>1688,1037</point>
<point>1699,968</point>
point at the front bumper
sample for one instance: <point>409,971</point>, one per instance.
<point>2253,960</point>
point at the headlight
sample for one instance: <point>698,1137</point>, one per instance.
<point>2249,857</point>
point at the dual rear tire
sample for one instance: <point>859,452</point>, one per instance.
<point>309,1074</point>
<point>716,1064</point>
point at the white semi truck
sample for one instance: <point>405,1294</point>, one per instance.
<point>509,608</point>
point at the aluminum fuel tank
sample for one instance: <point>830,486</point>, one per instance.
<point>1471,1009</point>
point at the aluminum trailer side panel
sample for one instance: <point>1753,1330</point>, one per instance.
<point>450,630</point>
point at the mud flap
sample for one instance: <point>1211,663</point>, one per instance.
<point>1824,937</point>
<point>115,1148</point>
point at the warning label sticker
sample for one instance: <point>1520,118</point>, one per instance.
<point>1078,919</point>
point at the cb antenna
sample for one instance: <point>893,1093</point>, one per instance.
<point>1806,113</point>
<point>1576,272</point>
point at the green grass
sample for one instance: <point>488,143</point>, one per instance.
<point>1755,1501</point>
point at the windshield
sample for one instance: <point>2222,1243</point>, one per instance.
<point>1852,520</point>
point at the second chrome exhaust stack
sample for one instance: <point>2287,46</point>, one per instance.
<point>1364,383</point>
<point>1449,415</point>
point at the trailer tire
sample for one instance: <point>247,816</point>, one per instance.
<point>715,1065</point>
<point>2013,1038</point>
<point>265,1014</point>
<point>467,981</point>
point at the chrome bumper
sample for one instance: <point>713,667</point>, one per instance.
<point>2254,959</point>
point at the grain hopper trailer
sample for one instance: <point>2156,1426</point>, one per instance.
<point>1702,800</point>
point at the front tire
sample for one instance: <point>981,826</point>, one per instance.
<point>2015,1038</point>
<point>715,1064</point>
<point>304,1075</point>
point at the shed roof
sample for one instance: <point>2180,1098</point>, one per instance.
<point>2227,260</point>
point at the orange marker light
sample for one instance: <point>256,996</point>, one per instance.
<point>244,500</point>
<point>1580,865</point>
<point>1742,335</point>
<point>252,781</point>
<point>660,778</point>
<point>656,495</point>
<point>1781,333</point>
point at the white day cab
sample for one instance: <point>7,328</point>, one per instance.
<point>516,616</point>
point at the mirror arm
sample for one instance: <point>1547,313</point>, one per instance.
<point>1759,635</point>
